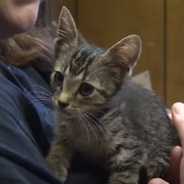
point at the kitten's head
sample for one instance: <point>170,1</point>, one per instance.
<point>84,76</point>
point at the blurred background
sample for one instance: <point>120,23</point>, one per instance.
<point>160,23</point>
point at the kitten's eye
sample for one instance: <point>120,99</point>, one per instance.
<point>58,77</point>
<point>86,89</point>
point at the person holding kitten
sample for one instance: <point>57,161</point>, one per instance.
<point>25,126</point>
<point>176,171</point>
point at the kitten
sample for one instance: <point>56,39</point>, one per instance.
<point>102,114</point>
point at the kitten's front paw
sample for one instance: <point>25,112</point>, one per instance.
<point>58,171</point>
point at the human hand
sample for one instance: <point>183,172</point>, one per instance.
<point>176,171</point>
<point>17,16</point>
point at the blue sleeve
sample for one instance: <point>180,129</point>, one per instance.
<point>21,157</point>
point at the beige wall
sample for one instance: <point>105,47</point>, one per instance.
<point>175,51</point>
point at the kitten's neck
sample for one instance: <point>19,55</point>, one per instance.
<point>101,112</point>
<point>117,97</point>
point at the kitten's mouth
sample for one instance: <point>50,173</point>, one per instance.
<point>66,114</point>
<point>69,113</point>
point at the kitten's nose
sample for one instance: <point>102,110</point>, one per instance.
<point>62,105</point>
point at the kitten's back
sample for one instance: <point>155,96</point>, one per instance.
<point>143,109</point>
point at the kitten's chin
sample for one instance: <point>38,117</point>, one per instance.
<point>66,114</point>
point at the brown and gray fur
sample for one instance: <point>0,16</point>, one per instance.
<point>118,125</point>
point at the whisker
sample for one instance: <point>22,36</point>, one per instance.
<point>39,102</point>
<point>91,127</point>
<point>38,92</point>
<point>96,126</point>
<point>80,124</point>
<point>39,98</point>
<point>93,116</point>
<point>89,118</point>
<point>83,126</point>
<point>44,98</point>
<point>40,87</point>
<point>99,111</point>
<point>42,104</point>
<point>86,127</point>
<point>100,128</point>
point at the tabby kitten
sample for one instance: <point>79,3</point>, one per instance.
<point>101,114</point>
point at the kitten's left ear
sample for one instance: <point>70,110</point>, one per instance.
<point>125,54</point>
<point>67,31</point>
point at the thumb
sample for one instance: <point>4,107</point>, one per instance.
<point>178,120</point>
<point>157,181</point>
<point>177,111</point>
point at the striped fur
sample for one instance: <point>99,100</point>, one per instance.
<point>119,125</point>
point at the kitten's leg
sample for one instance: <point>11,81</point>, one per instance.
<point>125,167</point>
<point>157,166</point>
<point>58,160</point>
<point>124,177</point>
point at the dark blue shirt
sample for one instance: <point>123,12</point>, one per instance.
<point>26,128</point>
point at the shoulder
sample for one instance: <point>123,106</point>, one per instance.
<point>137,96</point>
<point>131,88</point>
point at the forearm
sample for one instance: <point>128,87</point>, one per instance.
<point>17,16</point>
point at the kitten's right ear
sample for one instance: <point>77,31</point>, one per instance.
<point>125,54</point>
<point>67,32</point>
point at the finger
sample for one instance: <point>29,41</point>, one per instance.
<point>178,120</point>
<point>157,181</point>
<point>181,171</point>
<point>173,175</point>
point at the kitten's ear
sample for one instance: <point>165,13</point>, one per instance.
<point>125,53</point>
<point>67,31</point>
